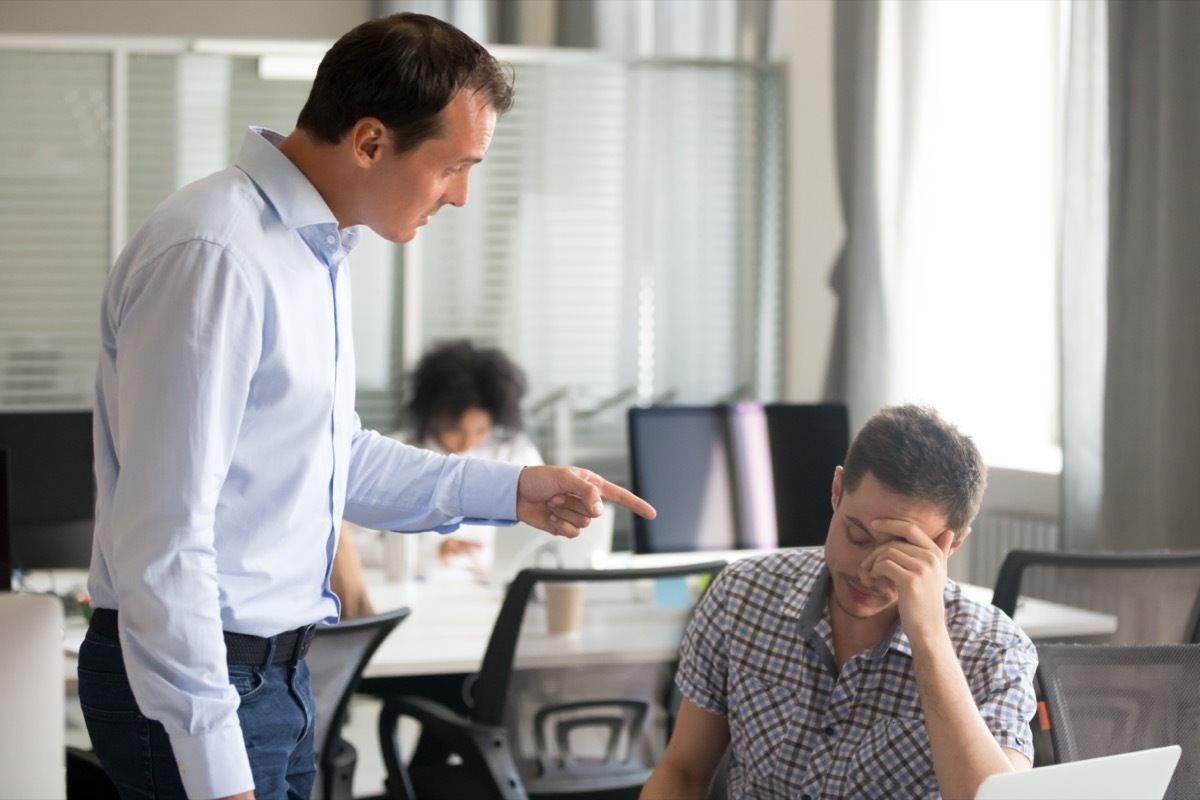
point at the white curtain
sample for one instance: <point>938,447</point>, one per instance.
<point>947,283</point>
<point>1083,263</point>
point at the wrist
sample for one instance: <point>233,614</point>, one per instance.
<point>927,631</point>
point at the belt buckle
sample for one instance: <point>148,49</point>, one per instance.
<point>303,638</point>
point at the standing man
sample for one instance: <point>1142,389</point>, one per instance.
<point>860,671</point>
<point>227,447</point>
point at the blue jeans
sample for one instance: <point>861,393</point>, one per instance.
<point>276,715</point>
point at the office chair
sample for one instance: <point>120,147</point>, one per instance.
<point>1155,596</point>
<point>568,716</point>
<point>86,779</point>
<point>336,660</point>
<point>1110,699</point>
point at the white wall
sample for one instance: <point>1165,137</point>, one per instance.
<point>804,32</point>
<point>280,19</point>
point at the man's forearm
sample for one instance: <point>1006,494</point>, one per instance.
<point>667,783</point>
<point>964,750</point>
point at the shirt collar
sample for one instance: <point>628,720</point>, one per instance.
<point>811,607</point>
<point>290,193</point>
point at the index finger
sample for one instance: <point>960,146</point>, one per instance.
<point>622,497</point>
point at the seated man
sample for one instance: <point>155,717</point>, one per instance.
<point>860,671</point>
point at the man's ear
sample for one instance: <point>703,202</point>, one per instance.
<point>957,543</point>
<point>369,140</point>
<point>837,487</point>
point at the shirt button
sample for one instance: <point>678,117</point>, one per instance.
<point>331,239</point>
<point>830,731</point>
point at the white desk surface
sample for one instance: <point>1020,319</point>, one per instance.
<point>451,622</point>
<point>450,625</point>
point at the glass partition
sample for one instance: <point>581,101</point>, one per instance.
<point>623,241</point>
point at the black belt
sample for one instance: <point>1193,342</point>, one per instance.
<point>240,648</point>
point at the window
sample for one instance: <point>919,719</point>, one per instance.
<point>54,225</point>
<point>622,242</point>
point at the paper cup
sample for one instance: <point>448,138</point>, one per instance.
<point>564,608</point>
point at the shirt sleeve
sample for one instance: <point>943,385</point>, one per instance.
<point>1004,692</point>
<point>397,487</point>
<point>186,336</point>
<point>703,658</point>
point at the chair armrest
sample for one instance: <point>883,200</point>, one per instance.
<point>484,749</point>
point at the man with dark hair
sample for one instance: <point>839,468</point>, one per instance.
<point>227,446</point>
<point>860,670</point>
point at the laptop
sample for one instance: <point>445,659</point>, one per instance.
<point>1140,775</point>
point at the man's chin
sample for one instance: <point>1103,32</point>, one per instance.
<point>400,237</point>
<point>857,608</point>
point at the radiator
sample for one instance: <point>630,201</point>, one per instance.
<point>993,534</point>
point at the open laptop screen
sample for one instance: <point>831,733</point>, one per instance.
<point>1140,775</point>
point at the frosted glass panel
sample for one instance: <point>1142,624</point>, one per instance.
<point>54,188</point>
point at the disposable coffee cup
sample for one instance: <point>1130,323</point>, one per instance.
<point>399,557</point>
<point>564,608</point>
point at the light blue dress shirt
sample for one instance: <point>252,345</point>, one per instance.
<point>228,449</point>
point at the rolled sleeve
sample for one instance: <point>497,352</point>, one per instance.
<point>1009,703</point>
<point>703,660</point>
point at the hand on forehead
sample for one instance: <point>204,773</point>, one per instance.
<point>922,532</point>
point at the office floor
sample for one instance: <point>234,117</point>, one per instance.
<point>362,732</point>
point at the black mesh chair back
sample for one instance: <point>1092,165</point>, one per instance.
<point>1154,596</point>
<point>1111,699</point>
<point>582,713</point>
<point>336,660</point>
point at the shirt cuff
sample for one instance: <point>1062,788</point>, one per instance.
<point>489,490</point>
<point>213,764</point>
<point>700,696</point>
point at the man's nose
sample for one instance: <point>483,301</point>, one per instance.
<point>456,191</point>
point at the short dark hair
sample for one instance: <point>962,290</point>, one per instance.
<point>455,376</point>
<point>402,69</point>
<point>914,452</point>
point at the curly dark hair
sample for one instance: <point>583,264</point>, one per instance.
<point>914,452</point>
<point>455,376</point>
<point>402,69</point>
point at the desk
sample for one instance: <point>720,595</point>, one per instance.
<point>1044,620</point>
<point>451,623</point>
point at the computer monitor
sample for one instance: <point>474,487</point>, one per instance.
<point>808,441</point>
<point>51,488</point>
<point>5,539</point>
<point>681,462</point>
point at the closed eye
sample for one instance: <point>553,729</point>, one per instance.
<point>858,538</point>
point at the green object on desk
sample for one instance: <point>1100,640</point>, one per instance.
<point>85,607</point>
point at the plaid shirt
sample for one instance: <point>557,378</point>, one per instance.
<point>759,652</point>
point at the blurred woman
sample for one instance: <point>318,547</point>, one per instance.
<point>463,400</point>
